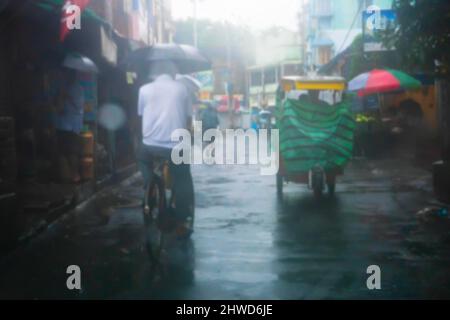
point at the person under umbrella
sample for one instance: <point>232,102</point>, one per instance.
<point>209,118</point>
<point>165,106</point>
<point>69,103</point>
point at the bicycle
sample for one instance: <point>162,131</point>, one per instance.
<point>156,209</point>
<point>159,210</point>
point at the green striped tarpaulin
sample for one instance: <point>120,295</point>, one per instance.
<point>314,135</point>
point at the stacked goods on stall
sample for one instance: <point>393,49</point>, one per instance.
<point>87,157</point>
<point>313,135</point>
<point>87,168</point>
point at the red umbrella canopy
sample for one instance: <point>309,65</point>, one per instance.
<point>382,80</point>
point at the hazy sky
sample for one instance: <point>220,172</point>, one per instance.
<point>257,14</point>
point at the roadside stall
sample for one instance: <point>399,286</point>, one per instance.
<point>376,119</point>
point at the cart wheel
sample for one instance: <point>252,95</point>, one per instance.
<point>318,177</point>
<point>331,188</point>
<point>279,185</point>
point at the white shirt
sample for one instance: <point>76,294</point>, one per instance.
<point>164,106</point>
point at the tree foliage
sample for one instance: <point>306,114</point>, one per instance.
<point>422,35</point>
<point>214,38</point>
<point>354,61</point>
<point>360,62</point>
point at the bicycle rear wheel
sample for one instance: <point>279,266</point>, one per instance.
<point>154,207</point>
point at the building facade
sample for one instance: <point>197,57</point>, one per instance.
<point>278,54</point>
<point>162,27</point>
<point>30,76</point>
<point>329,26</point>
<point>144,21</point>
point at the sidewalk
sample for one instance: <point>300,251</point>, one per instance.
<point>35,206</point>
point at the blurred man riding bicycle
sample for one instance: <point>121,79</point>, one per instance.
<point>165,105</point>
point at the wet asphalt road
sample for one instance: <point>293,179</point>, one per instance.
<point>249,244</point>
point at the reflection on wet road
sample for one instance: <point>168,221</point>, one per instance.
<point>248,244</point>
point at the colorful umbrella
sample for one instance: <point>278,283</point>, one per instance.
<point>382,80</point>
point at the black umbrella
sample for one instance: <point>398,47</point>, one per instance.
<point>80,63</point>
<point>187,58</point>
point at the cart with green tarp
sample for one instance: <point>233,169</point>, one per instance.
<point>316,138</point>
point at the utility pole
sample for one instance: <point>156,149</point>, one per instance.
<point>194,3</point>
<point>229,73</point>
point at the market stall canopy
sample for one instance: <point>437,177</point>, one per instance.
<point>381,81</point>
<point>80,63</point>
<point>188,59</point>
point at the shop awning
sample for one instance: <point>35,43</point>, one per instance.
<point>322,42</point>
<point>105,35</point>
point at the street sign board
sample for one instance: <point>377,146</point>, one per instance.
<point>374,22</point>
